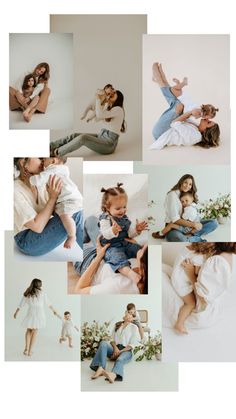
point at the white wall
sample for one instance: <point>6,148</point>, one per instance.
<point>28,50</point>
<point>112,308</point>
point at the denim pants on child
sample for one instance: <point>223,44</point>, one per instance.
<point>207,227</point>
<point>106,350</point>
<point>163,123</point>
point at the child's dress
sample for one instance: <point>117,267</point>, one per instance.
<point>66,330</point>
<point>35,317</point>
<point>180,281</point>
<point>120,250</point>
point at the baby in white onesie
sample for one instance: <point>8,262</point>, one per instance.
<point>69,200</point>
<point>67,328</point>
<point>189,213</point>
<point>90,110</point>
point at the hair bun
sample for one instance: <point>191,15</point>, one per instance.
<point>119,185</point>
<point>103,190</point>
<point>217,109</point>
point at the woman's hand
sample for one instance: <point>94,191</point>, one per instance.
<point>101,250</point>
<point>197,226</point>
<point>54,186</point>
<point>141,226</point>
<point>115,354</point>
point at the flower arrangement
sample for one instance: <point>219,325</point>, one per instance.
<point>151,348</point>
<point>91,335</point>
<point>216,208</point>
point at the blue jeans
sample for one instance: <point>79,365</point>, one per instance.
<point>103,143</point>
<point>178,236</point>
<point>117,256</point>
<point>91,232</point>
<point>106,350</point>
<point>163,123</point>
<point>54,233</point>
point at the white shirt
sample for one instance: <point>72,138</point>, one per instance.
<point>173,207</point>
<point>191,213</point>
<point>127,336</point>
<point>116,114</point>
<point>106,230</point>
<point>189,105</point>
<point>179,133</point>
<point>38,88</point>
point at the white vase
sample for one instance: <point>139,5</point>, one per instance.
<point>222,220</point>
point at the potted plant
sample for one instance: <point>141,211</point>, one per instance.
<point>219,209</point>
<point>91,336</point>
<point>151,348</point>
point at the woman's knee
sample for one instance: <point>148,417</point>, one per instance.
<point>179,108</point>
<point>103,344</point>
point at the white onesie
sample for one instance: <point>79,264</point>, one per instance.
<point>67,327</point>
<point>70,199</point>
<point>190,213</point>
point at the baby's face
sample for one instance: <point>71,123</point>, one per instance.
<point>118,206</point>
<point>67,316</point>
<point>33,165</point>
<point>47,161</point>
<point>132,311</point>
<point>186,201</point>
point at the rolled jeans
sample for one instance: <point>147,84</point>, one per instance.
<point>53,234</point>
<point>91,232</point>
<point>105,350</point>
<point>163,123</point>
<point>178,236</point>
<point>103,143</point>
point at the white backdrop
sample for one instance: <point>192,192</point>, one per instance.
<point>197,57</point>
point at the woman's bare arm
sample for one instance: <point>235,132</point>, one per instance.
<point>186,115</point>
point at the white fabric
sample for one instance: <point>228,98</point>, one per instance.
<point>189,105</point>
<point>126,336</point>
<point>105,281</point>
<point>173,207</point>
<point>38,89</point>
<point>190,213</point>
<point>116,114</point>
<point>180,133</point>
<point>25,206</point>
<point>70,199</point>
<point>106,229</point>
<point>179,279</point>
<point>35,317</point>
<point>67,328</point>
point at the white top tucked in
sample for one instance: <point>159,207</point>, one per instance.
<point>126,336</point>
<point>116,114</point>
<point>180,133</point>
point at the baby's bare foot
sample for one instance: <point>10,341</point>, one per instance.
<point>70,345</point>
<point>179,328</point>
<point>69,242</point>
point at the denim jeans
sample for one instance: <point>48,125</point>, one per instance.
<point>163,123</point>
<point>103,143</point>
<point>106,350</point>
<point>91,232</point>
<point>118,255</point>
<point>178,236</point>
<point>54,233</point>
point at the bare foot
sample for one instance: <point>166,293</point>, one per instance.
<point>179,328</point>
<point>70,345</point>
<point>69,242</point>
<point>25,352</point>
<point>111,376</point>
<point>61,340</point>
<point>156,76</point>
<point>26,116</point>
<point>179,84</point>
<point>98,373</point>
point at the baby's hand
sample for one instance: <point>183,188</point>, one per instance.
<point>141,226</point>
<point>188,267</point>
<point>115,227</point>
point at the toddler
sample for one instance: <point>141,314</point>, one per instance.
<point>189,213</point>
<point>66,330</point>
<point>131,309</point>
<point>104,94</point>
<point>69,200</point>
<point>115,228</point>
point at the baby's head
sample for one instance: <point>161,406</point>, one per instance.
<point>47,161</point>
<point>209,111</point>
<point>114,201</point>
<point>186,199</point>
<point>67,315</point>
<point>131,309</point>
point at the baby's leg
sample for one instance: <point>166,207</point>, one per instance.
<point>91,116</point>
<point>70,342</point>
<point>161,234</point>
<point>31,108</point>
<point>127,271</point>
<point>184,312</point>
<point>70,227</point>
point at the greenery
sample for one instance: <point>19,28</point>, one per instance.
<point>149,349</point>
<point>91,336</point>
<point>214,208</point>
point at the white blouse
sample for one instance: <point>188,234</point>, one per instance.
<point>126,336</point>
<point>179,133</point>
<point>116,114</point>
<point>173,207</point>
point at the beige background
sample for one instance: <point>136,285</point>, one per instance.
<point>107,49</point>
<point>204,59</point>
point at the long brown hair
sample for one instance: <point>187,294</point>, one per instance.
<point>34,288</point>
<point>211,249</point>
<point>45,76</point>
<point>209,110</point>
<point>210,137</point>
<point>193,190</point>
<point>114,191</point>
<point>26,79</point>
<point>119,102</point>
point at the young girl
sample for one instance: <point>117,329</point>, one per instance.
<point>115,228</point>
<point>28,88</point>
<point>190,213</point>
<point>67,327</point>
<point>35,319</point>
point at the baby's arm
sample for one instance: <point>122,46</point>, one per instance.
<point>109,231</point>
<point>137,228</point>
<point>89,107</point>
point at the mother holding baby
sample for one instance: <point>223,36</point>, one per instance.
<point>111,112</point>
<point>174,210</point>
<point>38,230</point>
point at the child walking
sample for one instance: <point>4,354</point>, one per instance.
<point>67,328</point>
<point>35,300</point>
<point>116,228</point>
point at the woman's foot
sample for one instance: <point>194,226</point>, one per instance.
<point>179,328</point>
<point>25,352</point>
<point>179,84</point>
<point>70,241</point>
<point>157,235</point>
<point>156,75</point>
<point>98,373</point>
<point>111,376</point>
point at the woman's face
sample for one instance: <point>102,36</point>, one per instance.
<point>113,97</point>
<point>31,82</point>
<point>40,71</point>
<point>186,185</point>
<point>205,123</point>
<point>33,165</point>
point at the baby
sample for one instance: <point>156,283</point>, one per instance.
<point>189,213</point>
<point>131,309</point>
<point>28,88</point>
<point>69,200</point>
<point>66,330</point>
<point>115,228</point>
<point>104,95</point>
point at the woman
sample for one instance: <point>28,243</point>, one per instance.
<point>97,277</point>
<point>19,102</point>
<point>124,338</point>
<point>173,208</point>
<point>38,229</point>
<point>106,141</point>
<point>171,128</point>
<point>35,319</point>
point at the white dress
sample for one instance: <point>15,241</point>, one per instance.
<point>179,133</point>
<point>179,279</point>
<point>67,327</point>
<point>35,317</point>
